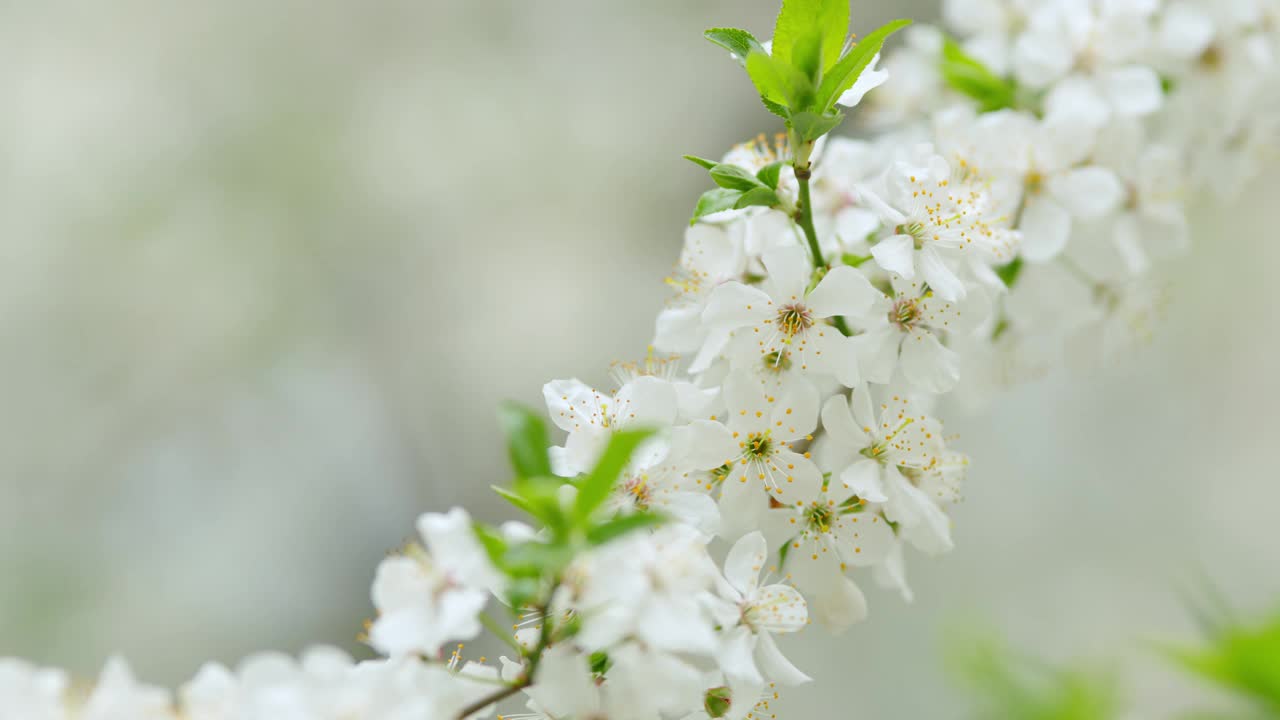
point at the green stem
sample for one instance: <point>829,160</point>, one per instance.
<point>804,215</point>
<point>804,218</point>
<point>498,631</point>
<point>534,657</point>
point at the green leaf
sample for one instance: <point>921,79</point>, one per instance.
<point>732,177</point>
<point>1009,272</point>
<point>845,73</point>
<point>769,174</point>
<point>596,486</point>
<point>514,499</point>
<point>494,545</point>
<point>540,497</point>
<point>761,196</point>
<point>783,552</point>
<point>810,126</point>
<point>1242,658</point>
<point>779,82</point>
<point>739,42</point>
<point>527,440</point>
<point>854,260</point>
<point>714,201</point>
<point>522,592</point>
<point>538,559</point>
<point>968,76</point>
<point>708,164</point>
<point>779,110</point>
<point>622,525</point>
<point>810,34</point>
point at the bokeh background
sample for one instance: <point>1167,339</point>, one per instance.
<point>267,268</point>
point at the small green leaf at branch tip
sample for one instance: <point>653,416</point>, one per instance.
<point>809,35</point>
<point>855,260</point>
<point>969,76</point>
<point>761,196</point>
<point>622,525</point>
<point>846,72</point>
<point>703,162</point>
<point>714,201</point>
<point>780,110</point>
<point>732,177</point>
<point>769,175</point>
<point>779,82</point>
<point>514,499</point>
<point>811,126</point>
<point>738,42</point>
<point>595,487</point>
<point>527,439</point>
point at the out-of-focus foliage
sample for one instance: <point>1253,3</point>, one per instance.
<point>1008,685</point>
<point>1243,659</point>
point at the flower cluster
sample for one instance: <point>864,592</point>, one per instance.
<point>1022,176</point>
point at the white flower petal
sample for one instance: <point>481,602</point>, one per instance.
<point>844,291</point>
<point>734,305</point>
<point>863,479</point>
<point>703,445</point>
<point>840,605</point>
<point>1046,227</point>
<point>838,421</point>
<point>929,365</point>
<point>1088,192</point>
<point>940,277</point>
<point>736,656</point>
<point>776,665</point>
<point>1133,91</point>
<point>896,255</point>
<point>870,79</point>
<point>789,271</point>
<point>744,562</point>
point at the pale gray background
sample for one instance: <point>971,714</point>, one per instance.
<point>266,269</point>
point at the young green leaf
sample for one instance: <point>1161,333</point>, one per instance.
<point>1009,272</point>
<point>739,42</point>
<point>732,177</point>
<point>595,487</point>
<point>714,201</point>
<point>527,440</point>
<point>538,559</point>
<point>845,73</point>
<point>621,525</point>
<point>1242,658</point>
<point>779,110</point>
<point>854,260</point>
<point>967,75</point>
<point>783,551</point>
<point>514,499</point>
<point>703,162</point>
<point>810,126</point>
<point>761,196</point>
<point>769,174</point>
<point>540,497</point>
<point>493,543</point>
<point>811,33</point>
<point>779,82</point>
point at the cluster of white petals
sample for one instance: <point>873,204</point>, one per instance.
<point>794,398</point>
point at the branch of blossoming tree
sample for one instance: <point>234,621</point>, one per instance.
<point>803,216</point>
<point>533,657</point>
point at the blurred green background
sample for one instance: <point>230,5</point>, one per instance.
<point>267,268</point>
